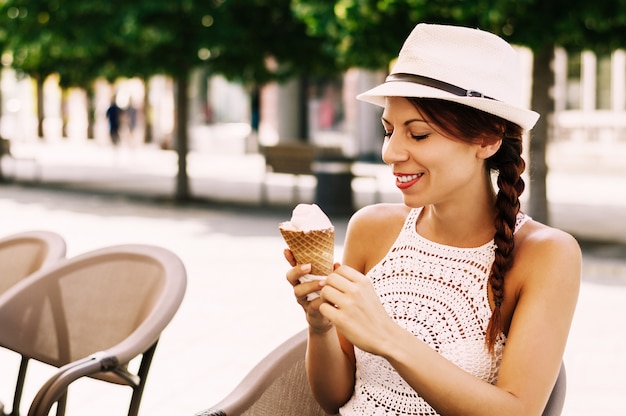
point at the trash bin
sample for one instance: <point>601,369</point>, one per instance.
<point>333,192</point>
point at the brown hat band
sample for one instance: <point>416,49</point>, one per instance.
<point>435,83</point>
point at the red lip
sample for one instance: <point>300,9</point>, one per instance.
<point>407,184</point>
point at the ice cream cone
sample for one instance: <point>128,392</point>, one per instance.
<point>315,247</point>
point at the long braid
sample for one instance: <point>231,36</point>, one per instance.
<point>474,126</point>
<point>509,164</point>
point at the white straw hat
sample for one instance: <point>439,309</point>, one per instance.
<point>463,65</point>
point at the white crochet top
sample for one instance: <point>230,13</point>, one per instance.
<point>439,294</point>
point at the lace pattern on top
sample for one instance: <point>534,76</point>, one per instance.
<point>439,294</point>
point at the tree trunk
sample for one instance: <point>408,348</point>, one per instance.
<point>64,112</point>
<point>40,112</point>
<point>181,138</point>
<point>91,113</point>
<point>1,95</point>
<point>303,108</point>
<point>4,143</point>
<point>543,103</point>
<point>147,112</point>
<point>203,96</point>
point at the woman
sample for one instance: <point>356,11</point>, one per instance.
<point>454,302</point>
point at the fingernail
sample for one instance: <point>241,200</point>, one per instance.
<point>305,268</point>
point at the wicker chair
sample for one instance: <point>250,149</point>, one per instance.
<point>24,253</point>
<point>557,397</point>
<point>278,386</point>
<point>89,316</point>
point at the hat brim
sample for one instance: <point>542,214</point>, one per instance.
<point>523,117</point>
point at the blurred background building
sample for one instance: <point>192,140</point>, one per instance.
<point>590,103</point>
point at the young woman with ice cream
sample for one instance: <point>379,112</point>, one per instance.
<point>455,302</point>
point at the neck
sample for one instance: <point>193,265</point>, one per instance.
<point>460,225</point>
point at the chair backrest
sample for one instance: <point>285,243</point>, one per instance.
<point>111,303</point>
<point>554,407</point>
<point>24,253</point>
<point>278,386</point>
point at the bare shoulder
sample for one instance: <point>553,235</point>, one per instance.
<point>377,218</point>
<point>371,232</point>
<point>543,250</point>
<point>535,236</point>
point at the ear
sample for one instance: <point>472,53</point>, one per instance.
<point>486,150</point>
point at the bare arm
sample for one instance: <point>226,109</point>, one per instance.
<point>330,367</point>
<point>542,293</point>
<point>330,356</point>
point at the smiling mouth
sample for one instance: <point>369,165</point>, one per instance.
<point>408,178</point>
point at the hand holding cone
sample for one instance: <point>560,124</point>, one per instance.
<point>311,238</point>
<point>315,247</point>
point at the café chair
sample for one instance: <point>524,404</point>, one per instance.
<point>23,253</point>
<point>89,316</point>
<point>278,386</point>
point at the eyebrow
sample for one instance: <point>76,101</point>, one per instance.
<point>406,123</point>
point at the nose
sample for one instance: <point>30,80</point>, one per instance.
<point>393,151</point>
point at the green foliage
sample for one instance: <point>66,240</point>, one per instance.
<point>573,24</point>
<point>45,38</point>
<point>162,36</point>
<point>256,41</point>
<point>249,40</point>
<point>369,33</point>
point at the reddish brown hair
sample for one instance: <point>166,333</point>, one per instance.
<point>475,126</point>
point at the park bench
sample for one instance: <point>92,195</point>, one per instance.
<point>296,159</point>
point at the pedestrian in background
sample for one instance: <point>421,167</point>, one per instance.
<point>454,302</point>
<point>131,113</point>
<point>114,115</point>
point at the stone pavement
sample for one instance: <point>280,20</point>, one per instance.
<point>238,307</point>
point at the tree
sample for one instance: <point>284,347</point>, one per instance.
<point>575,25</point>
<point>262,41</point>
<point>368,34</point>
<point>250,41</point>
<point>258,41</point>
<point>253,41</point>
<point>45,38</point>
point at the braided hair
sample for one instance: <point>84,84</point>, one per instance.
<point>476,126</point>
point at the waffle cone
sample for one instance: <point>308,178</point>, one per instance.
<point>315,247</point>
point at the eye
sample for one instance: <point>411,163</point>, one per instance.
<point>419,137</point>
<point>387,134</point>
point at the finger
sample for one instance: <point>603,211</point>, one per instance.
<point>339,281</point>
<point>302,290</point>
<point>289,256</point>
<point>329,311</point>
<point>295,273</point>
<point>330,294</point>
<point>344,277</point>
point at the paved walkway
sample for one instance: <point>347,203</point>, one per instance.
<point>238,306</point>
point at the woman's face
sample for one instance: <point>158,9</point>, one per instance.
<point>429,167</point>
